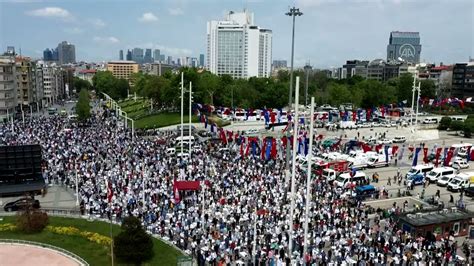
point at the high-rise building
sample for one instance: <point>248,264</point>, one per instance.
<point>201,60</point>
<point>8,95</point>
<point>148,58</point>
<point>129,55</point>
<point>123,69</point>
<point>463,80</point>
<point>137,55</point>
<point>156,55</point>
<point>169,61</point>
<point>279,64</point>
<point>55,54</point>
<point>121,55</point>
<point>47,55</point>
<point>162,57</point>
<point>237,47</point>
<point>404,46</point>
<point>66,53</point>
<point>10,51</point>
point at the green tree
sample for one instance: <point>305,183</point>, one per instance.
<point>80,84</point>
<point>207,86</point>
<point>456,125</point>
<point>83,108</point>
<point>338,94</point>
<point>428,88</point>
<point>444,123</point>
<point>404,86</point>
<point>133,245</point>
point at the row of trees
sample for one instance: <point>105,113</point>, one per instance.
<point>466,126</point>
<point>260,92</point>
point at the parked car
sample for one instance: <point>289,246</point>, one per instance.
<point>384,141</point>
<point>399,139</point>
<point>469,192</point>
<point>21,204</point>
<point>460,164</point>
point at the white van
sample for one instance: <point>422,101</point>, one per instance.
<point>419,169</point>
<point>439,172</point>
<point>462,180</point>
<point>345,179</point>
<point>379,160</point>
<point>185,140</point>
<point>430,120</point>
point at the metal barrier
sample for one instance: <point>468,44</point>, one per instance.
<point>46,246</point>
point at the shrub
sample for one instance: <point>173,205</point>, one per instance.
<point>456,125</point>
<point>31,221</point>
<point>133,245</point>
<point>445,123</point>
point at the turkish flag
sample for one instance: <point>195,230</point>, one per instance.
<point>425,155</point>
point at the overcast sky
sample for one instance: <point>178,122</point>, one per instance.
<point>329,32</point>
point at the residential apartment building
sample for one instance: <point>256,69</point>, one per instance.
<point>8,90</point>
<point>463,80</point>
<point>239,48</point>
<point>123,69</point>
<point>25,80</point>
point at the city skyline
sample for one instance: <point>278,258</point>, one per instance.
<point>325,35</point>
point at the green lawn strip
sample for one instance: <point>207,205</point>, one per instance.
<point>93,253</point>
<point>162,120</point>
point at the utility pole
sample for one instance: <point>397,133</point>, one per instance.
<point>294,12</point>
<point>307,69</point>
<point>182,113</point>
<point>293,169</point>
<point>308,181</point>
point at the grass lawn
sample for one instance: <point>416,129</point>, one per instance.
<point>162,120</point>
<point>93,253</point>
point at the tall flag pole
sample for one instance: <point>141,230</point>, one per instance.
<point>308,181</point>
<point>293,169</point>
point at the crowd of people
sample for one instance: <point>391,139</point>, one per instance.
<point>240,214</point>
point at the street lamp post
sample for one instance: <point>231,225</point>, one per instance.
<point>294,12</point>
<point>293,170</point>
<point>307,69</point>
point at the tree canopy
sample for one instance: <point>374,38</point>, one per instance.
<point>83,108</point>
<point>133,245</point>
<point>256,92</point>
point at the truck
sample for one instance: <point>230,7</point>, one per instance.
<point>462,180</point>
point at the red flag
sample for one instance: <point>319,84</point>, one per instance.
<point>378,147</point>
<point>110,192</point>
<point>425,155</point>
<point>438,153</point>
<point>319,137</point>
<point>366,148</point>
<point>394,149</point>
<point>449,156</point>
<point>354,116</point>
<point>177,199</point>
<point>273,152</point>
<point>284,140</point>
<point>263,149</point>
<point>242,149</point>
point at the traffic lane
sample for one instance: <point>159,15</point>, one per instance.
<point>430,190</point>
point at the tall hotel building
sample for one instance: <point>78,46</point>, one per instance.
<point>239,48</point>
